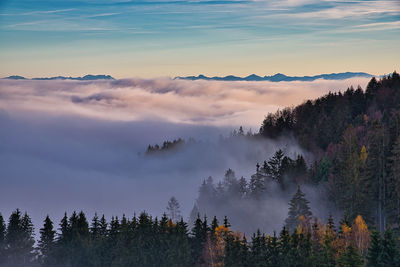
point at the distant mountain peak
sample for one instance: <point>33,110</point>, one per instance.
<point>15,77</point>
<point>280,77</point>
<point>89,77</point>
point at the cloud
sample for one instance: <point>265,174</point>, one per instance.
<point>162,99</point>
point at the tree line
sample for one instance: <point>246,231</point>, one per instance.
<point>147,241</point>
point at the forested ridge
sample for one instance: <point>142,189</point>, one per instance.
<point>354,138</point>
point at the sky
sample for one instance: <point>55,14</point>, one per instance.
<point>213,37</point>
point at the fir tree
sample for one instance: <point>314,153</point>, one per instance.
<point>47,242</point>
<point>390,251</point>
<point>374,256</point>
<point>214,224</point>
<point>19,240</point>
<point>298,206</point>
<point>350,258</point>
<point>2,240</point>
<point>394,183</point>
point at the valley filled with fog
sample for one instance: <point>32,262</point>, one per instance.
<point>72,145</point>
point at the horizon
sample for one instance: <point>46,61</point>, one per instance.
<point>201,74</point>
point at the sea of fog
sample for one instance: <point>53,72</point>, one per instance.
<point>79,145</point>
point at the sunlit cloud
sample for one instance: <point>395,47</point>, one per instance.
<point>164,99</point>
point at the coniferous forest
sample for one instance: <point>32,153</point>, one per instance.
<point>354,139</point>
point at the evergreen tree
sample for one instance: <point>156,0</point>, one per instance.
<point>285,248</point>
<point>394,183</point>
<point>257,185</point>
<point>47,242</point>
<point>243,190</point>
<point>199,237</point>
<point>374,257</point>
<point>19,240</point>
<point>2,240</point>
<point>214,224</point>
<point>390,251</point>
<point>350,258</point>
<point>298,206</point>
<point>274,168</point>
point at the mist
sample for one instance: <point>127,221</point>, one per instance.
<point>67,145</point>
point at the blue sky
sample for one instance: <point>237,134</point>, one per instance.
<point>170,38</point>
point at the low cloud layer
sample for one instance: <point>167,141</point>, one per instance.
<point>163,99</point>
<point>67,145</point>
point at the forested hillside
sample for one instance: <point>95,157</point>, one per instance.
<point>355,138</point>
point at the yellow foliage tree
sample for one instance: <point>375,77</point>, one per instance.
<point>361,234</point>
<point>363,154</point>
<point>303,226</point>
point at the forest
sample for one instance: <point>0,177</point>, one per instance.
<point>354,139</point>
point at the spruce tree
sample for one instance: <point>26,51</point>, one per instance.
<point>284,248</point>
<point>47,242</point>
<point>350,258</point>
<point>2,240</point>
<point>374,256</point>
<point>19,240</point>
<point>214,224</point>
<point>298,206</point>
<point>394,184</point>
<point>390,251</point>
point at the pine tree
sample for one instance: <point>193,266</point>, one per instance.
<point>394,183</point>
<point>327,256</point>
<point>19,240</point>
<point>2,240</point>
<point>199,237</point>
<point>226,222</point>
<point>62,251</point>
<point>27,240</point>
<point>243,190</point>
<point>274,164</point>
<point>95,227</point>
<point>374,256</point>
<point>390,251</point>
<point>350,258</point>
<point>298,206</point>
<point>284,248</point>
<point>47,242</point>
<point>214,224</point>
<point>257,185</point>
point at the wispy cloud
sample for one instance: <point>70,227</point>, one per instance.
<point>103,15</point>
<point>48,11</point>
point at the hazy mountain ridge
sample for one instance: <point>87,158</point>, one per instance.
<point>88,77</point>
<point>279,77</point>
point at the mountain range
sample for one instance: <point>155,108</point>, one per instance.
<point>279,77</point>
<point>89,77</point>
